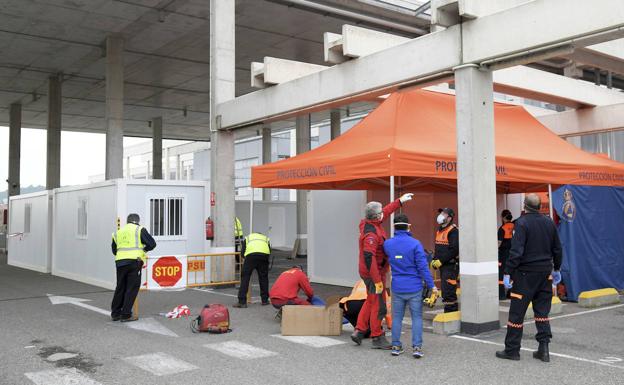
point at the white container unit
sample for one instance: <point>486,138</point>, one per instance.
<point>333,232</point>
<point>275,219</point>
<point>86,216</point>
<point>29,235</point>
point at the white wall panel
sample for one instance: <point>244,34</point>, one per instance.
<point>30,250</point>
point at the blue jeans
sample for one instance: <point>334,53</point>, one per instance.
<point>399,301</point>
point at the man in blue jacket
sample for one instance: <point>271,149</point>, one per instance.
<point>409,266</point>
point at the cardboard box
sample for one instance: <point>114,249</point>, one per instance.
<point>312,320</point>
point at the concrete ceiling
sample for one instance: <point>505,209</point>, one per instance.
<point>166,56</point>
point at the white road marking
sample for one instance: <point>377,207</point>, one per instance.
<point>160,364</point>
<point>65,376</point>
<point>580,313</point>
<point>58,299</point>
<point>611,360</point>
<point>551,353</point>
<point>212,291</point>
<point>312,341</point>
<point>149,325</point>
<point>240,350</point>
<point>61,356</point>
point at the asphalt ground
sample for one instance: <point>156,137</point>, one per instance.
<point>43,343</point>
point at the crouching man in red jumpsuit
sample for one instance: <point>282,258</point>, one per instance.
<point>373,267</point>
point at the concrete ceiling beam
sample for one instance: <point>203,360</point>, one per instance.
<point>585,121</point>
<point>495,41</point>
<point>540,85</point>
<point>274,71</point>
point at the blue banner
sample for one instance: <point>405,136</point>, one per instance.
<point>591,226</point>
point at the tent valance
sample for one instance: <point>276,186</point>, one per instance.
<point>412,136</point>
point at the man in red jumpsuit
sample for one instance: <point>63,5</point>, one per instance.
<point>285,290</point>
<point>373,267</point>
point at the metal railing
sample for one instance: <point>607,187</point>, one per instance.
<point>213,269</point>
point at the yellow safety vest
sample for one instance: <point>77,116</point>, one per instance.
<point>257,243</point>
<point>238,228</point>
<point>128,240</point>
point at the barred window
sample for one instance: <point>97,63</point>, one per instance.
<point>166,217</point>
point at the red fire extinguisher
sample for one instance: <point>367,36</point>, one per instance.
<point>209,229</point>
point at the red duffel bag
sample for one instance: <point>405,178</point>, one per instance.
<point>213,318</point>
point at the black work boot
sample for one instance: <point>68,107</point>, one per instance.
<point>542,352</point>
<point>357,337</point>
<point>381,343</point>
<point>508,356</point>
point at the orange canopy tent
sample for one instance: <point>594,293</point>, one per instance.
<point>411,135</point>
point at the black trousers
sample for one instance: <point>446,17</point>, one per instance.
<point>260,263</point>
<point>448,276</point>
<point>351,311</point>
<point>128,284</point>
<point>529,287</point>
<point>502,261</point>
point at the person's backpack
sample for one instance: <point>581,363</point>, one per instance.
<point>213,318</point>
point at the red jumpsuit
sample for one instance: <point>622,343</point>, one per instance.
<point>373,267</point>
<point>285,290</point>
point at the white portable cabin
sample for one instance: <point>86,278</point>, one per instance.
<point>83,218</point>
<point>29,235</point>
<point>275,219</point>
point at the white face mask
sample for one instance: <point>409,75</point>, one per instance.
<point>381,217</point>
<point>441,218</point>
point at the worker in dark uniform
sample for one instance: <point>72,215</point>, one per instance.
<point>531,270</point>
<point>256,249</point>
<point>130,243</point>
<point>446,257</point>
<point>505,233</point>
<point>373,267</point>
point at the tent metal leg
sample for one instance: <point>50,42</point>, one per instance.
<point>251,210</point>
<point>392,200</point>
<point>550,202</point>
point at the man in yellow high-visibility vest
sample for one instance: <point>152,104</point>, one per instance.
<point>256,249</point>
<point>130,243</point>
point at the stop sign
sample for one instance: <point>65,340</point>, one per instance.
<point>167,271</point>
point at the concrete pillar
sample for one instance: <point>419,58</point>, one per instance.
<point>114,106</point>
<point>303,145</point>
<point>157,148</point>
<point>609,79</point>
<point>476,195</point>
<point>334,123</point>
<point>222,82</point>
<point>266,157</point>
<point>55,106</point>
<point>597,76</point>
<point>15,139</point>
